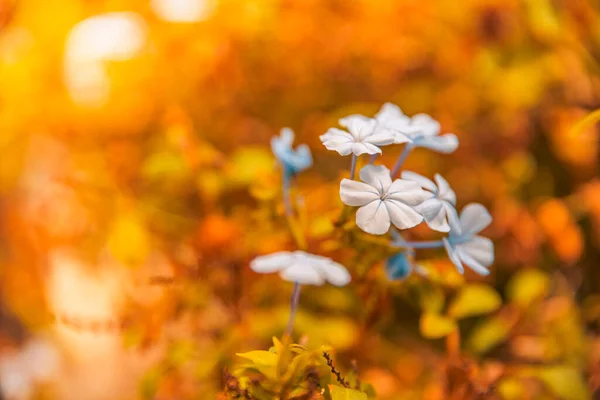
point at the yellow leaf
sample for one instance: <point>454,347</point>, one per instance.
<point>260,357</point>
<point>511,389</point>
<point>278,345</point>
<point>527,286</point>
<point>435,326</point>
<point>341,393</point>
<point>263,361</point>
<point>566,382</point>
<point>488,334</point>
<point>431,298</point>
<point>476,299</point>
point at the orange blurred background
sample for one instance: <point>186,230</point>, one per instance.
<point>136,182</point>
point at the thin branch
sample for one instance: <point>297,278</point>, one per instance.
<point>334,371</point>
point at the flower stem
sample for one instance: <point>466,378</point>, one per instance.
<point>430,244</point>
<point>353,166</point>
<point>293,307</point>
<point>373,158</point>
<point>286,194</point>
<point>401,159</point>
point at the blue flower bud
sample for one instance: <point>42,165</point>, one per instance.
<point>398,267</point>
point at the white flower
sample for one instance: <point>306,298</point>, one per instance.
<point>438,211</point>
<point>381,201</point>
<point>362,136</point>
<point>477,252</point>
<point>302,267</point>
<point>424,131</point>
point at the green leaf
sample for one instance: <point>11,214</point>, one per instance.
<point>435,326</point>
<point>341,393</point>
<point>476,299</point>
<point>527,286</point>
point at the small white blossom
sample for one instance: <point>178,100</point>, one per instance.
<point>381,201</point>
<point>362,137</point>
<point>477,252</point>
<point>302,267</point>
<point>438,211</point>
<point>421,130</point>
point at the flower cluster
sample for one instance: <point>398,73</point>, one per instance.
<point>406,202</point>
<point>383,200</point>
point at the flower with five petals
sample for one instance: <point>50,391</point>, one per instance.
<point>438,210</point>
<point>303,268</point>
<point>381,201</point>
<point>477,252</point>
<point>362,137</point>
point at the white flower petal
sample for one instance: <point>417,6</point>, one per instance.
<point>402,138</point>
<point>408,192</point>
<point>373,218</point>
<point>445,192</point>
<point>425,125</point>
<point>439,222</point>
<point>453,255</point>
<point>349,120</point>
<point>473,263</point>
<point>390,113</point>
<point>435,215</point>
<point>474,218</point>
<point>334,273</point>
<point>338,140</point>
<point>453,219</point>
<point>430,208</point>
<point>422,181</point>
<point>380,137</point>
<point>365,148</point>
<point>377,176</point>
<point>303,273</point>
<point>360,127</point>
<point>480,248</point>
<point>272,262</point>
<point>443,144</point>
<point>402,215</point>
<point>336,135</point>
<point>355,193</point>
